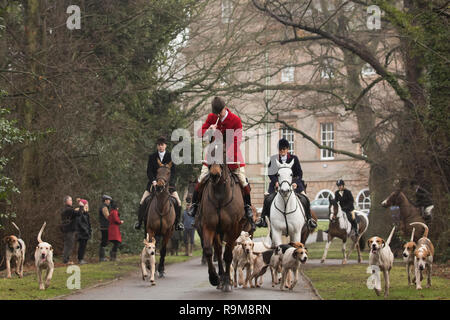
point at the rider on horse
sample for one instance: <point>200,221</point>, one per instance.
<point>345,198</point>
<point>222,119</point>
<point>164,157</point>
<point>298,185</point>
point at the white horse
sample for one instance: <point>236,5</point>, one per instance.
<point>341,228</point>
<point>287,215</point>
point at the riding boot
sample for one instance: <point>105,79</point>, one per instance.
<point>306,205</point>
<point>248,208</point>
<point>178,225</point>
<point>141,212</point>
<point>355,227</point>
<point>268,199</point>
<point>195,199</point>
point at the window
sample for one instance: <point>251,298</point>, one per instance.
<point>324,194</point>
<point>289,136</point>
<point>327,69</point>
<point>327,139</point>
<point>363,200</point>
<point>227,11</point>
<point>367,70</point>
<point>287,74</point>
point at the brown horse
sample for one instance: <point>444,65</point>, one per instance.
<point>161,212</point>
<point>408,213</point>
<point>221,218</point>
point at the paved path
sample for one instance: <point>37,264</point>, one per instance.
<point>189,281</point>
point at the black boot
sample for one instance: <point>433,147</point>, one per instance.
<point>141,213</point>
<point>266,209</point>
<point>306,205</point>
<point>178,225</point>
<point>248,208</point>
<point>101,254</point>
<point>355,227</point>
<point>195,201</point>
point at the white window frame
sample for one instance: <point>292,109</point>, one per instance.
<point>328,141</point>
<point>367,70</point>
<point>366,199</point>
<point>287,74</point>
<point>319,194</point>
<point>289,136</point>
<point>227,11</point>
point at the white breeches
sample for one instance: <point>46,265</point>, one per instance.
<point>240,172</point>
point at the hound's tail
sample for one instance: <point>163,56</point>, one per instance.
<point>146,238</point>
<point>268,235</point>
<point>40,232</point>
<point>390,236</point>
<point>412,234</point>
<point>15,226</point>
<point>425,234</point>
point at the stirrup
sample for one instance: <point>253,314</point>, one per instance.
<point>179,226</point>
<point>312,223</point>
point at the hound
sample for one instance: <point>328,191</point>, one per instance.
<point>292,258</point>
<point>408,257</point>
<point>243,258</point>
<point>43,257</point>
<point>423,257</point>
<point>382,257</point>
<point>148,259</point>
<point>15,250</point>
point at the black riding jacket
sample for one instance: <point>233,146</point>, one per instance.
<point>346,200</point>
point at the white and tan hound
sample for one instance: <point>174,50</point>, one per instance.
<point>14,251</point>
<point>43,257</point>
<point>423,257</point>
<point>148,260</point>
<point>408,258</point>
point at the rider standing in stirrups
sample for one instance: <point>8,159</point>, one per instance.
<point>297,183</point>
<point>222,119</point>
<point>152,167</point>
<point>345,199</point>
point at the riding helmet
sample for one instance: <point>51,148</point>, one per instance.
<point>217,105</point>
<point>161,140</point>
<point>106,197</point>
<point>340,182</point>
<point>283,144</point>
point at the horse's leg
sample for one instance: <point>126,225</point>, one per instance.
<point>218,254</point>
<point>343,252</point>
<point>228,258</point>
<point>352,248</point>
<point>208,237</point>
<point>327,246</point>
<point>162,257</point>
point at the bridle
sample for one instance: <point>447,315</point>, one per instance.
<point>289,196</point>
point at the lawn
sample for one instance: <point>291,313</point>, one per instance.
<point>348,282</point>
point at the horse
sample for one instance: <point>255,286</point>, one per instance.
<point>220,218</point>
<point>287,215</point>
<point>408,213</point>
<point>161,213</point>
<point>341,228</point>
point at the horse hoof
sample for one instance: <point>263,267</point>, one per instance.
<point>227,288</point>
<point>214,279</point>
<point>322,261</point>
<point>162,274</point>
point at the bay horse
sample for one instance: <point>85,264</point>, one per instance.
<point>161,212</point>
<point>341,228</point>
<point>408,213</point>
<point>221,218</point>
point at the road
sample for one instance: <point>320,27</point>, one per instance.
<point>189,281</point>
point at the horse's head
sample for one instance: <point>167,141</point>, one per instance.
<point>284,175</point>
<point>392,200</point>
<point>216,173</point>
<point>333,209</point>
<point>162,176</point>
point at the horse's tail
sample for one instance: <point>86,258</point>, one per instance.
<point>40,232</point>
<point>15,226</point>
<point>388,241</point>
<point>361,214</point>
<point>425,234</point>
<point>268,235</point>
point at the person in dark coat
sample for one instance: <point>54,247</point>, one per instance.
<point>84,231</point>
<point>103,214</point>
<point>164,157</point>
<point>68,226</point>
<point>345,199</point>
<point>297,183</point>
<point>114,230</point>
<point>189,231</point>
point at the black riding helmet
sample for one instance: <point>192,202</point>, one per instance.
<point>283,144</point>
<point>340,182</point>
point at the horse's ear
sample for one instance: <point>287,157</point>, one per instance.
<point>290,164</point>
<point>159,162</point>
<point>170,165</point>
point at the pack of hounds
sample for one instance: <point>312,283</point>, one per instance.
<point>253,257</point>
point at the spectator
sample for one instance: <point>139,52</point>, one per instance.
<point>84,231</point>
<point>68,226</point>
<point>114,230</point>
<point>103,215</point>
<point>189,230</point>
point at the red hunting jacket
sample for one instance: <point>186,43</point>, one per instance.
<point>233,122</point>
<point>114,226</point>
